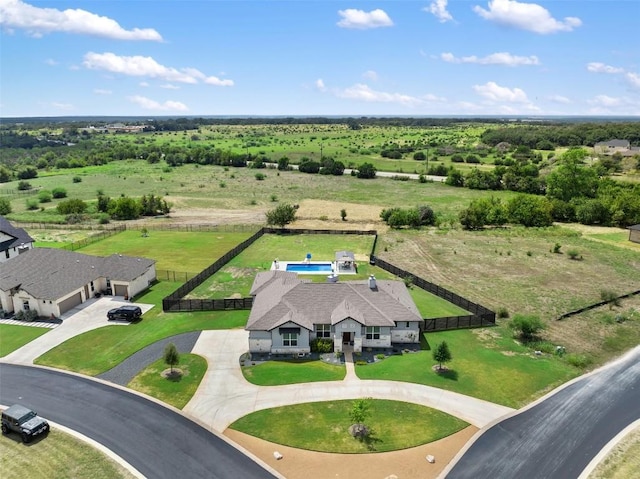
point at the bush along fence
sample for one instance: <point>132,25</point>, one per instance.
<point>597,305</point>
<point>175,302</point>
<point>480,316</point>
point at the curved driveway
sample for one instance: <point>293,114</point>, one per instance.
<point>558,437</point>
<point>155,440</point>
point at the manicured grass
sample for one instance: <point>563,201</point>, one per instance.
<point>396,425</point>
<point>486,364</point>
<point>56,456</point>
<point>432,306</point>
<point>13,337</point>
<point>238,275</point>
<point>273,373</point>
<point>623,462</point>
<point>172,250</point>
<point>177,390</point>
<point>99,350</point>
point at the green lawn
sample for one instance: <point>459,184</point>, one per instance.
<point>432,306</point>
<point>99,350</point>
<point>396,425</point>
<point>273,373</point>
<point>172,250</point>
<point>57,456</point>
<point>13,337</point>
<point>487,364</point>
<point>176,391</point>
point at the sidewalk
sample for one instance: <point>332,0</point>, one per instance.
<point>225,396</point>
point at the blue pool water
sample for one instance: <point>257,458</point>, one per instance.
<point>309,268</point>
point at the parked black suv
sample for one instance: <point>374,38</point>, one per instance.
<point>24,421</point>
<point>128,313</point>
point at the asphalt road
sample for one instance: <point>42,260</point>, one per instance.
<point>158,442</point>
<point>558,437</point>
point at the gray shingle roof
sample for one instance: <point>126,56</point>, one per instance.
<point>18,234</point>
<point>280,299</point>
<point>47,273</point>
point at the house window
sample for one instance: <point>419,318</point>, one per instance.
<point>25,305</point>
<point>289,339</point>
<point>407,325</point>
<point>108,283</point>
<point>92,287</point>
<point>323,330</point>
<point>373,332</point>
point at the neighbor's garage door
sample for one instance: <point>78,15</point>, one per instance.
<point>121,289</point>
<point>71,302</point>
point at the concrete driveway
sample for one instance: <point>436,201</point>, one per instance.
<point>89,315</point>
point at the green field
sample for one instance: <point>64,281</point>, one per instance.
<point>175,390</point>
<point>58,456</point>
<point>13,337</point>
<point>326,426</point>
<point>487,364</point>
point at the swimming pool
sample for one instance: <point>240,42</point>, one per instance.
<point>309,268</point>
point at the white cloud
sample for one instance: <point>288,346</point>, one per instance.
<point>217,81</point>
<point>605,101</point>
<point>100,91</point>
<point>143,84</point>
<point>494,92</point>
<point>40,21</point>
<point>361,20</point>
<point>320,85</point>
<point>170,86</point>
<point>500,58</point>
<point>633,79</point>
<point>370,75</point>
<point>147,67</point>
<point>148,104</point>
<point>597,67</point>
<point>51,62</point>
<point>559,99</point>
<point>62,106</point>
<point>439,9</point>
<point>365,93</point>
<point>526,16</point>
<point>433,98</point>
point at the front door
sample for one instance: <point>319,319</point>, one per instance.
<point>347,338</point>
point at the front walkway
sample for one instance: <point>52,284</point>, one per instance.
<point>225,396</point>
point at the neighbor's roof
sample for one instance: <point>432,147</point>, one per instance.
<point>47,273</point>
<point>614,143</point>
<point>18,235</point>
<point>279,299</point>
<point>635,227</point>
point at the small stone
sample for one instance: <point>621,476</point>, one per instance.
<point>277,455</point>
<point>431,459</point>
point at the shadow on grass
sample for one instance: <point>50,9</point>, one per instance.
<point>451,374</point>
<point>424,344</point>
<point>370,441</point>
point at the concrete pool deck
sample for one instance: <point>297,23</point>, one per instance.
<point>314,267</point>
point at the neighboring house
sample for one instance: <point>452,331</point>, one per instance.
<point>634,233</point>
<point>616,146</point>
<point>53,281</point>
<point>288,313</point>
<point>13,241</point>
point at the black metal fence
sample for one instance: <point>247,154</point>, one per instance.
<point>168,275</point>
<point>207,228</point>
<point>95,238</point>
<point>174,301</point>
<point>210,304</point>
<point>597,305</point>
<point>480,316</point>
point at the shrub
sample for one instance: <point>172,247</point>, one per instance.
<point>77,179</point>
<point>44,196</point>
<point>73,206</point>
<point>5,206</point>
<point>574,254</point>
<point>380,356</point>
<point>24,185</point>
<point>502,312</point>
<point>526,326</point>
<point>59,192</point>
<point>580,361</point>
<point>556,248</point>
<point>611,297</point>
<point>260,176</point>
<point>103,219</point>
<point>321,345</point>
<point>32,204</point>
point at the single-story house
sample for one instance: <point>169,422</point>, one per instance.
<point>13,241</point>
<point>288,313</point>
<point>616,146</point>
<point>53,281</point>
<point>634,233</point>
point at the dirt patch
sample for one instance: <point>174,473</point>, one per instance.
<point>405,464</point>
<point>172,375</point>
<point>322,214</point>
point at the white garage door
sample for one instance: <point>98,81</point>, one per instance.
<point>121,289</point>
<point>71,302</point>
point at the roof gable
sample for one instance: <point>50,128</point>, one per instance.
<point>17,236</point>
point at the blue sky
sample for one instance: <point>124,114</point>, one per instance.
<point>305,57</point>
